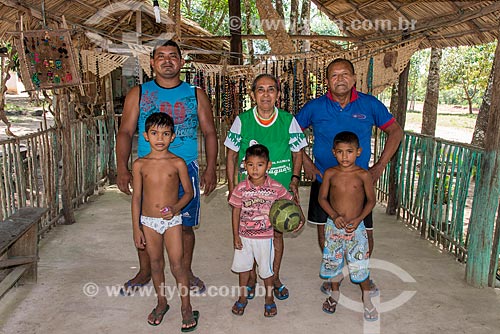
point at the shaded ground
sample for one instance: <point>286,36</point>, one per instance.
<point>98,249</point>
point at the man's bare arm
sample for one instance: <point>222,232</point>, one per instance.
<point>231,161</point>
<point>394,137</point>
<point>208,179</point>
<point>297,167</point>
<point>124,138</point>
<point>310,170</point>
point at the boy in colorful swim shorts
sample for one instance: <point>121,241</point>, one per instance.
<point>155,214</point>
<point>347,196</point>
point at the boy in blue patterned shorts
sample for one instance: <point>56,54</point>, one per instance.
<point>347,196</point>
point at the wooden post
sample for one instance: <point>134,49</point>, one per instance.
<point>481,251</point>
<point>67,177</point>
<point>400,115</point>
<point>235,29</point>
<point>110,125</point>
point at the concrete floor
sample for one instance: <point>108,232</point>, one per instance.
<point>422,290</point>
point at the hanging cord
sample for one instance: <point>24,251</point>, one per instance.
<point>98,79</point>
<point>370,77</point>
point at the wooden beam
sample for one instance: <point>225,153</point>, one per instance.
<point>258,37</point>
<point>16,261</point>
<point>12,278</point>
<point>119,23</point>
<point>461,33</point>
<point>26,9</point>
<point>471,24</point>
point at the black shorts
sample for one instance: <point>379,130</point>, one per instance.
<point>316,215</point>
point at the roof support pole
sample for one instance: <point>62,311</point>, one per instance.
<point>482,256</point>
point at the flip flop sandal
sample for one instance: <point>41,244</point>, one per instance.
<point>268,310</point>
<point>278,292</point>
<point>194,286</point>
<point>239,308</point>
<point>374,291</point>
<point>196,316</point>
<point>131,287</point>
<point>330,305</point>
<point>250,292</point>
<point>158,316</point>
<point>370,315</point>
<point>324,289</point>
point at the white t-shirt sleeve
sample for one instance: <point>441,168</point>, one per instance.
<point>233,139</point>
<point>297,138</point>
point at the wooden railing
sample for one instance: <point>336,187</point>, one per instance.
<point>436,192</point>
<point>31,167</point>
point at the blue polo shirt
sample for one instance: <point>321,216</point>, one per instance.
<point>328,118</point>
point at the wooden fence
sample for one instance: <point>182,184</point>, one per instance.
<point>435,178</point>
<point>436,189</point>
<point>31,168</point>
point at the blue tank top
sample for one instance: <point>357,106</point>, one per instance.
<point>180,103</point>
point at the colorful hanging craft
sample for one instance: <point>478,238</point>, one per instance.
<point>47,61</point>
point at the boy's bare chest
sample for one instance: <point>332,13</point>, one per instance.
<point>159,173</point>
<point>347,183</point>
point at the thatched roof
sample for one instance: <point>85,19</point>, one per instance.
<point>440,23</point>
<point>436,23</point>
<point>111,21</point>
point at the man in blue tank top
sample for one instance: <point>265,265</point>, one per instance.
<point>189,106</point>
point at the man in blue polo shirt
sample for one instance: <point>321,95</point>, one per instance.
<point>343,108</point>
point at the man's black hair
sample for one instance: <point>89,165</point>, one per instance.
<point>161,43</point>
<point>159,119</point>
<point>346,137</point>
<point>340,60</point>
<point>257,150</point>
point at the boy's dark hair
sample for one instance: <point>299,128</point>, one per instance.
<point>346,137</point>
<point>340,60</point>
<point>257,150</point>
<point>160,119</point>
<point>161,43</point>
<point>265,75</point>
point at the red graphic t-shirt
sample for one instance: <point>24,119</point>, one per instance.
<point>255,203</point>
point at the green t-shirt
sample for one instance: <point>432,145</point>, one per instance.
<point>282,137</point>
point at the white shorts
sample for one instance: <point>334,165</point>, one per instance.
<point>260,250</point>
<point>160,225</point>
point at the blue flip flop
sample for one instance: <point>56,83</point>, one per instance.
<point>277,292</point>
<point>268,308</point>
<point>131,287</point>
<point>239,307</point>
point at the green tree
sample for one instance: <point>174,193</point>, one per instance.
<point>209,14</point>
<point>467,68</point>
<point>417,78</point>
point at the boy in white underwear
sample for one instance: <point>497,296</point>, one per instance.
<point>156,216</point>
